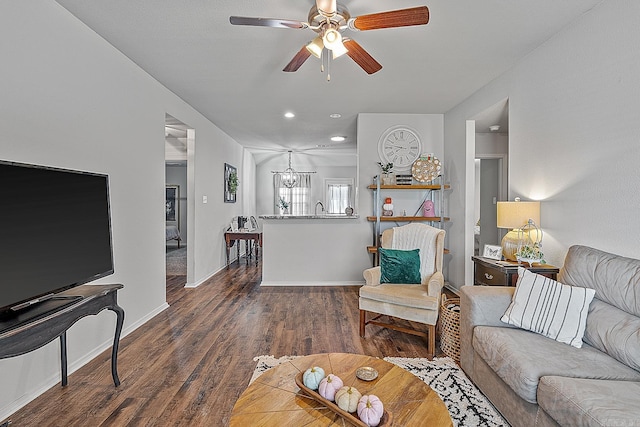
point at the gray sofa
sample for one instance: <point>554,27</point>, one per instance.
<point>536,381</point>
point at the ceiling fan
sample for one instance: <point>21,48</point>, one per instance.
<point>329,19</point>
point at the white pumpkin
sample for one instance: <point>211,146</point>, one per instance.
<point>329,386</point>
<point>347,398</point>
<point>370,410</point>
<point>312,377</point>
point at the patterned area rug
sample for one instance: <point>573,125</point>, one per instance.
<point>467,405</point>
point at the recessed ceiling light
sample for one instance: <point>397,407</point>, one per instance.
<point>494,128</point>
<point>335,115</point>
<point>289,115</point>
<point>338,138</point>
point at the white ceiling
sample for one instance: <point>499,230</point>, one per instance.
<point>233,74</point>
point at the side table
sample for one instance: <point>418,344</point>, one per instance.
<point>491,272</point>
<point>36,326</point>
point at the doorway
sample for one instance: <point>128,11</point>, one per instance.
<point>487,146</point>
<point>179,143</point>
<point>488,192</point>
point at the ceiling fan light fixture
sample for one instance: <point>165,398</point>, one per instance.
<point>326,7</point>
<point>315,47</point>
<point>339,50</point>
<point>332,39</point>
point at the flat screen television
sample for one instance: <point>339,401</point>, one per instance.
<point>55,232</point>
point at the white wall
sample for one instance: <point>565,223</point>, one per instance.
<point>71,100</point>
<point>574,105</point>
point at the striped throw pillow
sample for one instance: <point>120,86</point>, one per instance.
<point>549,308</point>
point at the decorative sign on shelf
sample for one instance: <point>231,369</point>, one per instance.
<point>404,179</point>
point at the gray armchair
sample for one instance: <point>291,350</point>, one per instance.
<point>414,302</point>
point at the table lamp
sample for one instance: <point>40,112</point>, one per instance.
<point>514,216</point>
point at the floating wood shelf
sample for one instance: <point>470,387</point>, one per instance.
<point>410,187</point>
<point>407,218</point>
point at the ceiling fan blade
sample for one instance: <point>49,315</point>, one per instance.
<point>362,57</point>
<point>326,7</point>
<point>297,60</point>
<point>267,22</point>
<point>395,18</point>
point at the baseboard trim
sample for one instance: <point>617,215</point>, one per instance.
<point>201,281</point>
<point>324,283</point>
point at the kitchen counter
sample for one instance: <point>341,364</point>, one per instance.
<point>314,250</point>
<point>322,216</point>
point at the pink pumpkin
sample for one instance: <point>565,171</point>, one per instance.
<point>329,386</point>
<point>370,410</point>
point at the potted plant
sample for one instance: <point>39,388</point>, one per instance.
<point>283,205</point>
<point>387,176</point>
<point>531,253</point>
<point>233,182</point>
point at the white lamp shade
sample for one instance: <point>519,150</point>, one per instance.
<point>516,214</point>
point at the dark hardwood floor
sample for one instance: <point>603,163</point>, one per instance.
<point>188,365</point>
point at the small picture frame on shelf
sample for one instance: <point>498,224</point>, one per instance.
<point>492,252</point>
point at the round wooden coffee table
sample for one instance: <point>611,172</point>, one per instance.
<point>274,399</point>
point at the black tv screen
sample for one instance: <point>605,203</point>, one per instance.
<point>55,231</point>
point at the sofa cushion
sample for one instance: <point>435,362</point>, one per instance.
<point>585,402</point>
<point>399,266</point>
<point>407,295</point>
<point>615,332</point>
<point>547,307</point>
<point>521,357</point>
<point>615,279</point>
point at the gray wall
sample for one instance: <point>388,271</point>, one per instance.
<point>71,100</point>
<point>574,105</point>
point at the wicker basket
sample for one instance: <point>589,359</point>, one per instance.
<point>450,327</point>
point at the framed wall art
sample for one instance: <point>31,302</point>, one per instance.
<point>172,203</point>
<point>492,252</point>
<point>230,183</point>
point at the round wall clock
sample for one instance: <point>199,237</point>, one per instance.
<point>401,146</point>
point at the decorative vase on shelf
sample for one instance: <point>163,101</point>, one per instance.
<point>388,178</point>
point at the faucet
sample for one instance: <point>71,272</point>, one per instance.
<point>316,208</point>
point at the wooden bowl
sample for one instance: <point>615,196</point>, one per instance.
<point>385,421</point>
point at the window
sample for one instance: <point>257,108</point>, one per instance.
<point>296,199</point>
<point>338,195</point>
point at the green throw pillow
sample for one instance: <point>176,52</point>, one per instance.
<point>400,266</point>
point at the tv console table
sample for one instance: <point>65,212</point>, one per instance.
<point>40,324</point>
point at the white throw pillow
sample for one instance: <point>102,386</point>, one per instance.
<point>549,308</point>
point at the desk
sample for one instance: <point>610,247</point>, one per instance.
<point>490,272</point>
<point>274,399</point>
<point>40,324</point>
<point>249,236</point>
